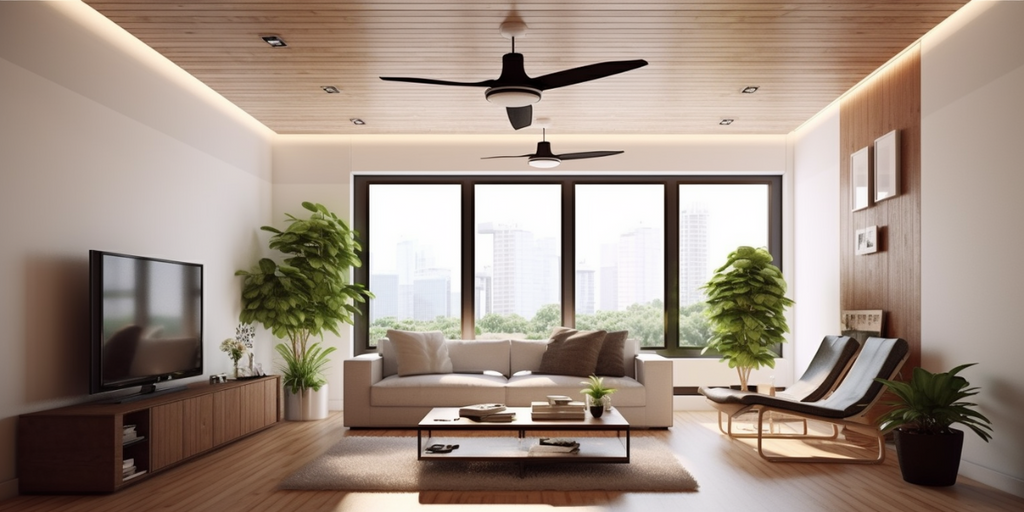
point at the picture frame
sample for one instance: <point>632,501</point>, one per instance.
<point>887,166</point>
<point>860,178</point>
<point>862,324</point>
<point>866,240</point>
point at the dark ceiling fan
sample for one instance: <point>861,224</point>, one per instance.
<point>545,159</point>
<point>516,91</point>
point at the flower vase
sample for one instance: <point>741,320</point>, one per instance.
<point>234,373</point>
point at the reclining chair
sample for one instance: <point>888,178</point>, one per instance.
<point>846,406</point>
<point>827,367</point>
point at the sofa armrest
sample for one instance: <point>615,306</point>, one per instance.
<point>655,373</point>
<point>361,372</point>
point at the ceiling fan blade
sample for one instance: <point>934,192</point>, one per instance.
<point>521,117</point>
<point>511,156</point>
<point>585,73</point>
<point>587,154</point>
<point>485,83</point>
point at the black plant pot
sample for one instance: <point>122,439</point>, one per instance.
<point>929,459</point>
<point>596,410</point>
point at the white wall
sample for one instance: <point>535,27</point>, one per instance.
<point>105,145</point>
<point>320,168</point>
<point>815,257</point>
<point>972,75</point>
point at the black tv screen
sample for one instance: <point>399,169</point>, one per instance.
<point>146,321</point>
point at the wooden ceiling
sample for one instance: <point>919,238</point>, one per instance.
<point>802,54</point>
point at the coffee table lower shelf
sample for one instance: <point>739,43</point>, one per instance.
<point>597,449</point>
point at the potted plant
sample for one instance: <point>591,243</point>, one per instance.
<point>303,296</point>
<point>598,398</point>
<point>923,412</point>
<point>746,303</point>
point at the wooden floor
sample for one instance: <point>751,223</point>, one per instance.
<point>243,477</point>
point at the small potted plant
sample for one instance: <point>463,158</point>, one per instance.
<point>927,446</point>
<point>598,398</point>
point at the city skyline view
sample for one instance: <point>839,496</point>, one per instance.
<point>619,245</point>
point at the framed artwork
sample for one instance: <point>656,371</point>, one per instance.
<point>887,166</point>
<point>860,178</point>
<point>866,241</point>
<point>862,324</point>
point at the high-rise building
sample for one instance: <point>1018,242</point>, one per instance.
<point>385,291</point>
<point>482,303</point>
<point>432,293</point>
<point>693,254</point>
<point>608,278</point>
<point>585,290</point>
<point>640,267</point>
<point>525,270</point>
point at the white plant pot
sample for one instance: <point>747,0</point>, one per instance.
<point>305,405</point>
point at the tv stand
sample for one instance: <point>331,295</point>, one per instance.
<point>80,448</point>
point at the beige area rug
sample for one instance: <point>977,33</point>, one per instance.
<point>388,464</point>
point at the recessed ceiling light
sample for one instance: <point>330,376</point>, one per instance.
<point>274,41</point>
<point>726,122</point>
<point>750,89</point>
<point>330,89</point>
<point>356,121</point>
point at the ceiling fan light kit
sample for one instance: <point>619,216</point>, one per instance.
<point>512,96</point>
<point>544,162</point>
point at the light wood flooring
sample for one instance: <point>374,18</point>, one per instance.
<point>243,477</point>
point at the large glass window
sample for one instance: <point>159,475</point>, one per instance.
<point>414,259</point>
<point>518,233</point>
<point>497,257</point>
<point>620,260</point>
<point>714,219</point>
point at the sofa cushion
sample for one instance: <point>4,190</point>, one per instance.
<point>610,359</point>
<point>418,353</point>
<point>438,390</point>
<point>525,355</point>
<point>524,388</point>
<point>475,356</point>
<point>572,353</point>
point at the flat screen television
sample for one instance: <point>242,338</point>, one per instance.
<point>146,321</point>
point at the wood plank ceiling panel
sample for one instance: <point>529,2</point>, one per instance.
<point>802,54</point>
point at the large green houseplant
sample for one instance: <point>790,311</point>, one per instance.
<point>922,415</point>
<point>746,302</point>
<point>306,294</point>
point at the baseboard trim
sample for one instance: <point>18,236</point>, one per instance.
<point>992,478</point>
<point>8,489</point>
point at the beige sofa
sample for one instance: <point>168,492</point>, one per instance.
<point>495,372</point>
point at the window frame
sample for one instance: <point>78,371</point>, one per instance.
<point>361,211</point>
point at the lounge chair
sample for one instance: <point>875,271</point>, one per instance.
<point>847,405</point>
<point>828,365</point>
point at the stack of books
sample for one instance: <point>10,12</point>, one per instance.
<point>129,434</point>
<point>552,445</point>
<point>487,412</point>
<point>128,469</point>
<point>558,407</point>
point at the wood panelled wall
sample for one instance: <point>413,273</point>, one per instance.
<point>889,279</point>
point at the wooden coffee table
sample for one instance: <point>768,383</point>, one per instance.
<point>442,420</point>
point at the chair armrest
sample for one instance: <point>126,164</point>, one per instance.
<point>360,372</point>
<point>655,373</point>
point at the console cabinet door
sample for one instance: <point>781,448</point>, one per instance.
<point>227,415</point>
<point>198,425</point>
<point>166,422</point>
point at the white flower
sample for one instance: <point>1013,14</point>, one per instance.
<point>245,333</point>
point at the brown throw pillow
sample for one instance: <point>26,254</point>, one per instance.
<point>572,353</point>
<point>609,360</point>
